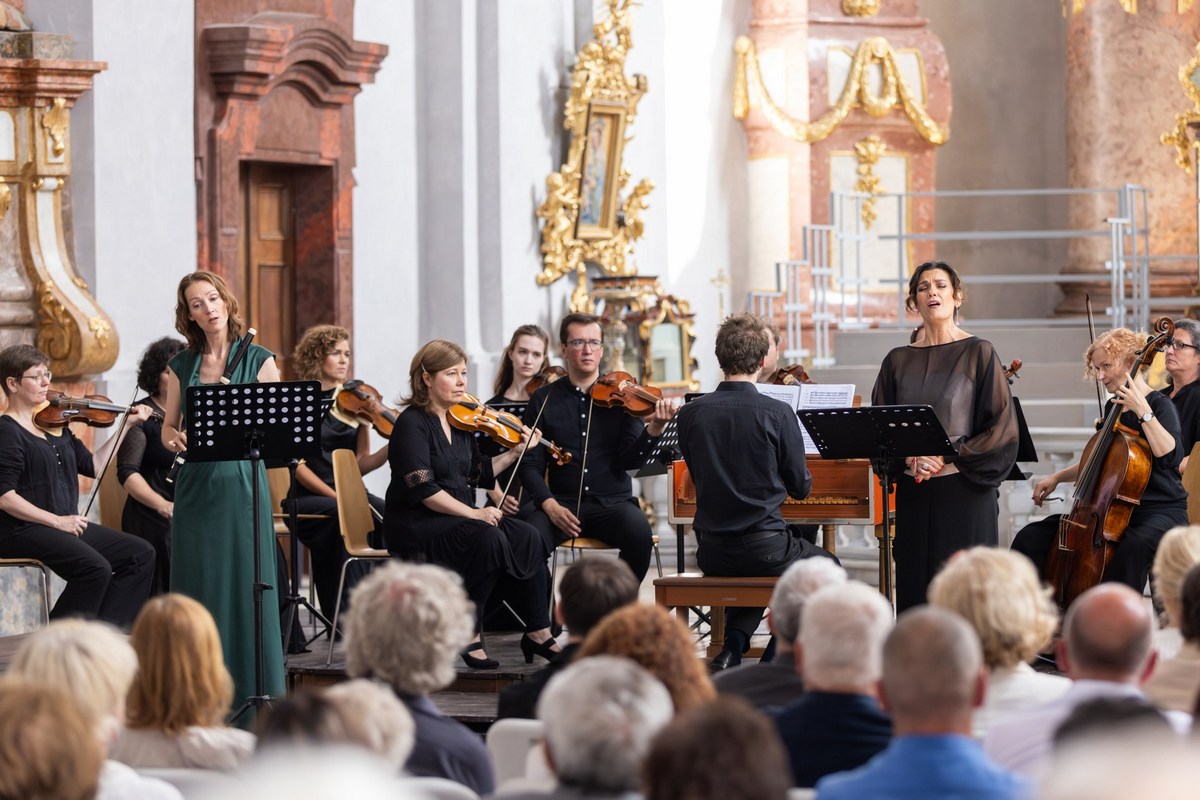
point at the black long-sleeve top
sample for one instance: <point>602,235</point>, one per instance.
<point>1165,486</point>
<point>618,443</point>
<point>424,462</point>
<point>1187,404</point>
<point>41,471</point>
<point>745,453</point>
<point>142,453</point>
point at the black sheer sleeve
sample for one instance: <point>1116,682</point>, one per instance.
<point>410,456</point>
<point>129,456</point>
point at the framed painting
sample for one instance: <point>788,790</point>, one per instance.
<point>599,177</point>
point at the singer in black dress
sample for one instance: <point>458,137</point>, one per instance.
<point>143,462</point>
<point>430,511</point>
<point>943,506</point>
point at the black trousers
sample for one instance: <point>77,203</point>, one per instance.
<point>934,520</point>
<point>622,525</point>
<point>323,538</point>
<point>1134,555</point>
<point>735,557</point>
<point>108,573</point>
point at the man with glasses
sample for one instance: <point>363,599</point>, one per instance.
<point>591,496</point>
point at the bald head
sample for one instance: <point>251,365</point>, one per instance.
<point>1107,633</point>
<point>932,667</point>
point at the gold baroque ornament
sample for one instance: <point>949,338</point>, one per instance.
<point>5,199</point>
<point>55,323</point>
<point>1189,79</point>
<point>55,123</point>
<point>868,151</point>
<point>583,219</point>
<point>857,90</point>
<point>860,8</point>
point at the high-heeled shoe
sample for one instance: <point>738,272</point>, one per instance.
<point>477,663</point>
<point>530,648</point>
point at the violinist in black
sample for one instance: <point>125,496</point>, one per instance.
<point>143,463</point>
<point>108,573</point>
<point>1183,365</point>
<point>1163,503</point>
<point>323,354</point>
<point>592,495</point>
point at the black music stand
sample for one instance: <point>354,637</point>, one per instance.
<point>882,434</point>
<point>294,600</point>
<point>1026,451</point>
<point>256,422</point>
<point>665,452</point>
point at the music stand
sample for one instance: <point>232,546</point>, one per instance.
<point>665,451</point>
<point>294,600</point>
<point>1026,451</point>
<point>255,422</point>
<point>882,434</point>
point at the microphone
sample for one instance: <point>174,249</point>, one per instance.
<point>238,355</point>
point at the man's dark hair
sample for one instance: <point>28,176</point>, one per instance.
<point>742,344</point>
<point>576,318</point>
<point>591,589</point>
<point>1109,715</point>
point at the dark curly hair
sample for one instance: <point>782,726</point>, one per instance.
<point>154,361</point>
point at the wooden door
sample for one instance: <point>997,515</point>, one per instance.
<point>271,259</point>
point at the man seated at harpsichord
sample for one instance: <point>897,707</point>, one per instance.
<point>746,456</point>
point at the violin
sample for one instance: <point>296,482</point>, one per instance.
<point>791,375</point>
<point>1010,372</point>
<point>548,375</point>
<point>620,389</point>
<point>363,403</point>
<point>1113,472</point>
<point>503,428</point>
<point>95,410</point>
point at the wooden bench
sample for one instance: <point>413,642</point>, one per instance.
<point>689,590</point>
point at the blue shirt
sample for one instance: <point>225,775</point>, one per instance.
<point>927,767</point>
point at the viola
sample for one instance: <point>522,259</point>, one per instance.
<point>94,409</point>
<point>1010,372</point>
<point>791,375</point>
<point>502,427</point>
<point>548,375</point>
<point>1113,472</point>
<point>621,389</point>
<point>363,403</point>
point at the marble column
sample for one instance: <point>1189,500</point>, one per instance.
<point>1122,91</point>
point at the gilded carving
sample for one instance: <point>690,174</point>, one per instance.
<point>860,8</point>
<point>868,151</point>
<point>583,219</point>
<point>55,123</point>
<point>55,324</point>
<point>100,328</point>
<point>857,90</point>
<point>1177,137</point>
<point>5,199</point>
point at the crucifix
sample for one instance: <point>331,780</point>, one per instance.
<point>720,280</point>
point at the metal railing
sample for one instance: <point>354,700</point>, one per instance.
<point>830,282</point>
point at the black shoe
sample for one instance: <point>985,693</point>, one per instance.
<point>477,663</point>
<point>530,648</point>
<point>724,660</point>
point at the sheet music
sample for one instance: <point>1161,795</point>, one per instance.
<point>789,394</point>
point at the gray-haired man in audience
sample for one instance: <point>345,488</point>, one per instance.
<point>778,682</point>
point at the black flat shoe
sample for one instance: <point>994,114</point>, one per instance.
<point>530,648</point>
<point>477,663</point>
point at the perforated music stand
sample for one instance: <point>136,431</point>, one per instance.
<point>275,422</point>
<point>882,434</point>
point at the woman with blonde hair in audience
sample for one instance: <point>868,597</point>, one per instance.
<point>48,747</point>
<point>181,692</point>
<point>650,636</point>
<point>998,592</point>
<point>94,664</point>
<point>1177,553</point>
<point>1175,682</point>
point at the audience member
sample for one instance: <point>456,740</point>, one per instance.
<point>599,715</point>
<point>180,693</point>
<point>1131,716</point>
<point>95,665</point>
<point>405,626</point>
<point>721,750</point>
<point>837,724</point>
<point>999,593</point>
<point>1177,553</point>
<point>1176,681</point>
<point>778,682</point>
<point>1105,649</point>
<point>933,680</point>
<point>48,745</point>
<point>1118,767</point>
<point>588,591</point>
<point>650,636</point>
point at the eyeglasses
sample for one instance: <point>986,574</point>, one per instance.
<point>40,377</point>
<point>1175,344</point>
<point>591,344</point>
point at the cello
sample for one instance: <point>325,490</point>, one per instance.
<point>1113,472</point>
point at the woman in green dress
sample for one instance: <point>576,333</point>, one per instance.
<point>213,526</point>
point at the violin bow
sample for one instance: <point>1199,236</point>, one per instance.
<point>1087,299</point>
<point>520,458</point>
<point>111,453</point>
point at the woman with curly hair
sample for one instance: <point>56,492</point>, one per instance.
<point>650,636</point>
<point>323,354</point>
<point>143,463</point>
<point>180,692</point>
<point>999,593</point>
<point>1163,505</point>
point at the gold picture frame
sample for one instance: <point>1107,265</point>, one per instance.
<point>599,175</point>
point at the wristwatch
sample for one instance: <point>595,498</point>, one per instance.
<point>1149,415</point>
